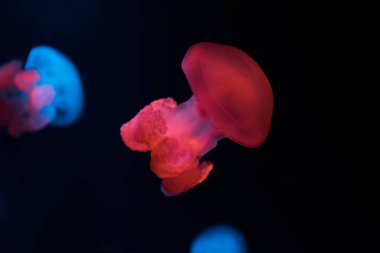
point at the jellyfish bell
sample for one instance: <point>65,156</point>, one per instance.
<point>58,71</point>
<point>232,98</point>
<point>219,239</point>
<point>232,90</point>
<point>47,91</point>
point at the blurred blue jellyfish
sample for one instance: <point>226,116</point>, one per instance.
<point>219,239</point>
<point>47,91</point>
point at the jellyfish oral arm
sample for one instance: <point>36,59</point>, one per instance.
<point>178,136</point>
<point>22,101</point>
<point>41,96</point>
<point>26,80</point>
<point>190,123</point>
<point>186,180</point>
<point>8,72</point>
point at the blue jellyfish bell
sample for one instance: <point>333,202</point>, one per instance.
<point>58,71</point>
<point>219,239</point>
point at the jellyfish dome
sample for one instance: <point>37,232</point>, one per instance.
<point>231,98</point>
<point>219,239</point>
<point>48,91</point>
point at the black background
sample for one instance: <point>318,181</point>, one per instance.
<point>79,189</point>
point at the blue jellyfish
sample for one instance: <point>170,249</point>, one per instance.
<point>48,91</point>
<point>219,239</point>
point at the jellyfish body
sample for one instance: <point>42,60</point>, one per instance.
<point>219,239</point>
<point>58,71</point>
<point>47,91</point>
<point>232,98</point>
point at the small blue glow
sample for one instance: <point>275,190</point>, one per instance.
<point>57,70</point>
<point>219,239</point>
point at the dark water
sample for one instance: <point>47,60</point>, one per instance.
<point>78,189</point>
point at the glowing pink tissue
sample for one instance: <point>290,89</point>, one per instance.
<point>232,98</point>
<point>21,100</point>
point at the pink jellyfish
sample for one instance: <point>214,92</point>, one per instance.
<point>232,98</point>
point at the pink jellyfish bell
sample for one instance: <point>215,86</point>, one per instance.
<point>232,98</point>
